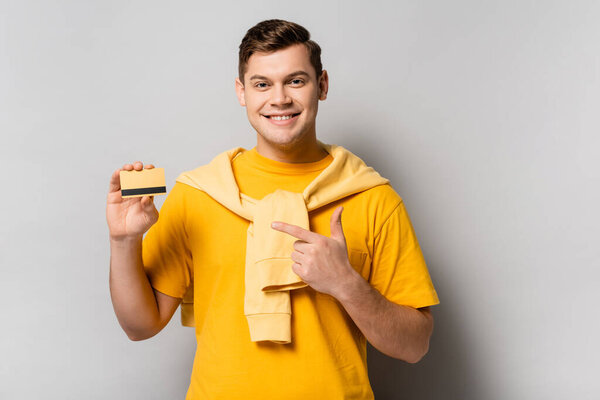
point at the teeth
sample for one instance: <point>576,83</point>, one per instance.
<point>281,118</point>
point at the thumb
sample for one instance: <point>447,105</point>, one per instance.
<point>149,209</point>
<point>337,231</point>
<point>147,202</point>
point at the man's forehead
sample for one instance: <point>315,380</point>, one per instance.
<point>280,63</point>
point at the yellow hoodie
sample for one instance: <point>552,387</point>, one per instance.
<point>268,274</point>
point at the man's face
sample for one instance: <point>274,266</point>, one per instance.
<point>281,95</point>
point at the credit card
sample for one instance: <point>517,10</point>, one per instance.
<point>147,182</point>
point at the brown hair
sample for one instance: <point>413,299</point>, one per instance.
<point>276,34</point>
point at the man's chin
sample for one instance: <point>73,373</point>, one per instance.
<point>280,141</point>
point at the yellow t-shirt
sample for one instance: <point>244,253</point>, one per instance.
<point>197,239</point>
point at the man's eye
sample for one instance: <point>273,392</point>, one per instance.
<point>261,85</point>
<point>296,81</point>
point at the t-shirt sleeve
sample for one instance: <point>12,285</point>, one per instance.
<point>398,270</point>
<point>165,250</point>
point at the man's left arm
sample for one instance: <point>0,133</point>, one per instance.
<point>322,262</point>
<point>397,331</point>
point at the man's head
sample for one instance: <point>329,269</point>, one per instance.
<point>276,34</point>
<point>280,83</point>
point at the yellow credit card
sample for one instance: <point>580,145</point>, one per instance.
<point>147,182</point>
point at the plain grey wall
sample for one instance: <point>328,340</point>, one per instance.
<point>483,114</point>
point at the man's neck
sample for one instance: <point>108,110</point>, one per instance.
<point>301,153</point>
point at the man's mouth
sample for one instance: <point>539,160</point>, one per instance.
<point>281,117</point>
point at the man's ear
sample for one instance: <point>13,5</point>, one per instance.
<point>323,85</point>
<point>240,91</point>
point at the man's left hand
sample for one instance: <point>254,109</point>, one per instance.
<point>321,261</point>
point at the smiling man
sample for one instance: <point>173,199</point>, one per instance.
<point>282,99</point>
<point>286,258</point>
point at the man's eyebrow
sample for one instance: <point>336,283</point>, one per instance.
<point>296,73</point>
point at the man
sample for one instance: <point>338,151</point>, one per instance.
<point>285,289</point>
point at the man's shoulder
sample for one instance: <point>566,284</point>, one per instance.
<point>184,193</point>
<point>384,195</point>
<point>376,203</point>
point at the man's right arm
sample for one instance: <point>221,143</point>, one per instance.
<point>141,310</point>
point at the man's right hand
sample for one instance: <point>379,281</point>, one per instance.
<point>128,218</point>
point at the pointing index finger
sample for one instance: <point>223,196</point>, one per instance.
<point>295,231</point>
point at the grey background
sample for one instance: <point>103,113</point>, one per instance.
<point>483,114</point>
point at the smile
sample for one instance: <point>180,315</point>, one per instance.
<point>281,119</point>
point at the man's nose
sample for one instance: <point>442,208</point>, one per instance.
<point>279,95</point>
